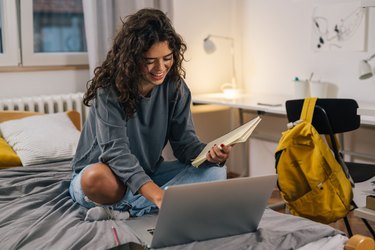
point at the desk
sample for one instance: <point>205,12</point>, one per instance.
<point>273,105</point>
<point>367,113</point>
<point>365,213</point>
<point>263,104</point>
<point>366,109</point>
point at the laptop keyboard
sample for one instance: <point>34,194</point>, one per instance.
<point>151,230</point>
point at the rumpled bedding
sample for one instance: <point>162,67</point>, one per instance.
<point>36,212</point>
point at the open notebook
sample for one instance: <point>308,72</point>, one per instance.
<point>238,135</point>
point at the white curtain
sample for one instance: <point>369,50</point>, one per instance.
<point>102,18</point>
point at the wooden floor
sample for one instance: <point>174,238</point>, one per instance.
<point>356,224</point>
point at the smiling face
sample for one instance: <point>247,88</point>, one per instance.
<point>158,62</point>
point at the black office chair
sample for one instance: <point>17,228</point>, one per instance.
<point>335,116</point>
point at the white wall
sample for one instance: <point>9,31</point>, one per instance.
<point>194,20</point>
<point>277,47</point>
<point>19,84</point>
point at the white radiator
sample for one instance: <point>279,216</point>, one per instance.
<point>47,104</point>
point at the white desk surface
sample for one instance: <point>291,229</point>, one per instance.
<point>365,213</point>
<point>256,103</point>
<point>367,112</point>
<point>276,104</point>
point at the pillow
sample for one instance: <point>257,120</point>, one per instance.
<point>8,158</point>
<point>41,138</point>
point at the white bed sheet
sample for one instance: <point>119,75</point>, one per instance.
<point>327,243</point>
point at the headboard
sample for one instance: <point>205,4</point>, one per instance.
<point>74,116</point>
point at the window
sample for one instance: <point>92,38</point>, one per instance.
<point>51,32</point>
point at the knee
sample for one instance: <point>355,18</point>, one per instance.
<point>99,181</point>
<point>92,177</point>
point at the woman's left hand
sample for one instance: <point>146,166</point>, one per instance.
<point>219,154</point>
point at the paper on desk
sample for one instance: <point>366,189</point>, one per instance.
<point>238,135</point>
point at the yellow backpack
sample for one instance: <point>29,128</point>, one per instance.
<point>311,181</point>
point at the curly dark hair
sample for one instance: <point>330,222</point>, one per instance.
<point>121,68</point>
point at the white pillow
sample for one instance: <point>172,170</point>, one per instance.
<point>41,138</point>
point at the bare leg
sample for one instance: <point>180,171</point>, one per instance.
<point>101,185</point>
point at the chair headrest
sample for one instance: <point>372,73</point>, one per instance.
<point>341,112</point>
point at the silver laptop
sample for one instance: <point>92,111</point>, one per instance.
<point>203,211</point>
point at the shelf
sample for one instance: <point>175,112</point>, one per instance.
<point>365,213</point>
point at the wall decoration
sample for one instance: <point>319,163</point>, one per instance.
<point>339,26</point>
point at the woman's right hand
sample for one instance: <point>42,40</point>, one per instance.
<point>153,193</point>
<point>219,154</point>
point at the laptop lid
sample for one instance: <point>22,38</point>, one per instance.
<point>203,211</point>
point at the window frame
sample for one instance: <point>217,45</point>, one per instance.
<point>31,58</point>
<point>18,40</point>
<point>10,55</point>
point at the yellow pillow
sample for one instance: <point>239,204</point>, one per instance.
<point>8,158</point>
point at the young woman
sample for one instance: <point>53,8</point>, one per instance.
<point>139,101</point>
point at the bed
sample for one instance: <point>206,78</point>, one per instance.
<point>37,213</point>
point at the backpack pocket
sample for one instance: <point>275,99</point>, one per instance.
<point>321,204</point>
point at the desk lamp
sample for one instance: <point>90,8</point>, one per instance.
<point>365,69</point>
<point>230,89</point>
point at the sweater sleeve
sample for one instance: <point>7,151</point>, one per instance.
<point>111,130</point>
<point>183,139</point>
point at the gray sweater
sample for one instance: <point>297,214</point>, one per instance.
<point>132,147</point>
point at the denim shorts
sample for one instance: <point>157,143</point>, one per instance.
<point>169,173</point>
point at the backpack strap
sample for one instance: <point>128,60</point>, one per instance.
<point>308,109</point>
<point>307,115</point>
